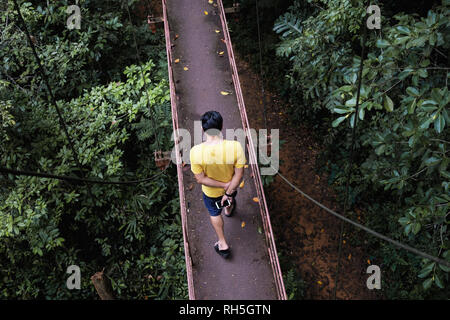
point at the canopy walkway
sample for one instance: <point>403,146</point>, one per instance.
<point>196,32</point>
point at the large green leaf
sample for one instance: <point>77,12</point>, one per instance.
<point>388,104</point>
<point>439,123</point>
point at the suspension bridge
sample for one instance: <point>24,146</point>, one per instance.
<point>201,65</point>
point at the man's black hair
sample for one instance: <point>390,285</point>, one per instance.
<point>212,120</point>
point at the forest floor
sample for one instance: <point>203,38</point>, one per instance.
<point>305,234</point>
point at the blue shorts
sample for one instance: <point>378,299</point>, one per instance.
<point>210,204</point>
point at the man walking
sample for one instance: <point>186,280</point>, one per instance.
<point>218,165</point>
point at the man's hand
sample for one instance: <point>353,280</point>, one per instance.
<point>224,198</point>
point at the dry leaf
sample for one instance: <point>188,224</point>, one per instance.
<point>256,199</point>
<point>217,31</point>
<point>319,282</point>
<point>205,12</point>
<point>210,1</point>
<point>191,186</point>
<point>243,224</point>
<point>221,53</point>
<point>349,256</point>
<point>224,93</point>
<point>368,261</point>
<point>186,68</point>
<point>177,60</point>
<point>176,36</point>
<point>242,184</point>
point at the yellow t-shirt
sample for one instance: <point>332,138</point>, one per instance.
<point>217,161</point>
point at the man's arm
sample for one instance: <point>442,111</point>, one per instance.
<point>234,183</point>
<point>202,179</point>
<point>236,180</point>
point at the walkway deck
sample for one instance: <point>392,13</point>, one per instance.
<point>253,271</point>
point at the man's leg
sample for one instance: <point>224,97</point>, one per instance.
<point>217,223</point>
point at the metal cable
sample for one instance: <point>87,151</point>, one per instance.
<point>260,65</point>
<point>52,97</point>
<point>74,179</point>
<point>351,160</point>
<point>63,124</point>
<point>358,225</point>
<point>366,229</point>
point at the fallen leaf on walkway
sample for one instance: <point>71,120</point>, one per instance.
<point>210,1</point>
<point>243,224</point>
<point>259,230</point>
<point>223,40</point>
<point>186,68</point>
<point>221,53</point>
<point>217,31</point>
<point>177,60</point>
<point>225,93</point>
<point>319,282</point>
<point>349,256</point>
<point>242,184</point>
<point>205,12</point>
<point>191,186</point>
<point>368,261</point>
<point>176,36</point>
<point>255,199</point>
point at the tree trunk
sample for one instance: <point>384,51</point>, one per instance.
<point>103,286</point>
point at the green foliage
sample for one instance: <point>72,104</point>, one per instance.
<point>116,122</point>
<point>403,137</point>
<point>295,286</point>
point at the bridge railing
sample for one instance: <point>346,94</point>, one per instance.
<point>281,292</point>
<point>173,102</point>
